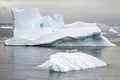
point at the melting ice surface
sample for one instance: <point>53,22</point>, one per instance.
<point>31,28</point>
<point>64,62</point>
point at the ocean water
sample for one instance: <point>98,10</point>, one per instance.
<point>20,63</point>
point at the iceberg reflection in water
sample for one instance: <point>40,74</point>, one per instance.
<point>30,28</point>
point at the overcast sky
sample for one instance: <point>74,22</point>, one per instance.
<point>103,11</point>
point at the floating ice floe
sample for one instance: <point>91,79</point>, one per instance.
<point>111,29</point>
<point>64,62</point>
<point>31,28</point>
<point>6,27</point>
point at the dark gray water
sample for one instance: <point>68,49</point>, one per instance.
<point>20,63</point>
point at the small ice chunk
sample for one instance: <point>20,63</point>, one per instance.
<point>6,27</point>
<point>64,62</point>
<point>111,29</point>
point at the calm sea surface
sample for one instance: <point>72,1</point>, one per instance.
<point>20,63</point>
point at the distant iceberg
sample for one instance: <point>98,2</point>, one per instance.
<point>111,29</point>
<point>64,62</point>
<point>31,28</point>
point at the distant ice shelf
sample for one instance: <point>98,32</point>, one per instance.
<point>31,28</point>
<point>64,62</point>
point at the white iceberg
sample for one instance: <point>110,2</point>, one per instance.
<point>30,28</point>
<point>64,62</point>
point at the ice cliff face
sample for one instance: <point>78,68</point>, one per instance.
<point>30,28</point>
<point>64,62</point>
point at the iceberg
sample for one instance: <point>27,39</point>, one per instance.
<point>64,62</point>
<point>31,28</point>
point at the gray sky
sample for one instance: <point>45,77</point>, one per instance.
<point>102,11</point>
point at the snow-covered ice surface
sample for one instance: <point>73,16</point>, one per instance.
<point>64,62</point>
<point>30,28</point>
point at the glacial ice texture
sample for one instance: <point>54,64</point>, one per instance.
<point>64,62</point>
<point>31,28</point>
